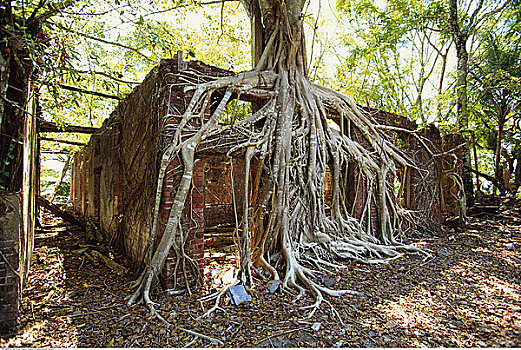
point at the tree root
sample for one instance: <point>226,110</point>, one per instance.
<point>217,297</point>
<point>292,147</point>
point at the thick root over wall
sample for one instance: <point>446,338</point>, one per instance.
<point>288,146</point>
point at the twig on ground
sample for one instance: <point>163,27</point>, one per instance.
<point>419,266</point>
<point>90,313</point>
<point>214,340</point>
<point>280,333</point>
<point>190,343</point>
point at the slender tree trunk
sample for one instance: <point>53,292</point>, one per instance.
<point>462,111</point>
<point>460,37</point>
<point>461,82</point>
<point>478,185</point>
<point>497,159</point>
<point>517,175</point>
<point>442,77</point>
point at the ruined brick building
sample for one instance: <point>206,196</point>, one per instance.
<point>114,179</point>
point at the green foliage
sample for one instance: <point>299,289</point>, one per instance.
<point>495,92</point>
<point>142,34</point>
<point>393,60</point>
<point>401,54</point>
<point>236,110</point>
<point>4,164</point>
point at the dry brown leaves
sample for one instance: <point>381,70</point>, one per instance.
<point>466,294</point>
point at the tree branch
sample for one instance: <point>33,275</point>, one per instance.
<point>42,202</point>
<point>436,30</point>
<point>84,91</point>
<point>45,126</point>
<point>52,10</point>
<point>63,141</point>
<point>488,14</point>
<point>467,30</point>
<point>35,11</point>
<point>119,80</point>
<point>87,36</point>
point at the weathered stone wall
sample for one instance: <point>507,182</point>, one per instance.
<point>115,177</point>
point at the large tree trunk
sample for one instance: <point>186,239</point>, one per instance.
<point>277,33</point>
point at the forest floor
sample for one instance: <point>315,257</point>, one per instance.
<point>467,294</point>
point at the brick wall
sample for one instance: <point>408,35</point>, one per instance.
<point>9,260</point>
<point>192,218</point>
<point>9,284</point>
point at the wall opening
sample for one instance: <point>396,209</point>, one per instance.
<point>221,255</point>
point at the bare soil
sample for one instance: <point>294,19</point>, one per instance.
<point>467,294</point>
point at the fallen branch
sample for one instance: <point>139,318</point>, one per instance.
<point>62,176</point>
<point>57,211</point>
<point>114,266</point>
<point>63,141</point>
<point>89,313</point>
<point>499,184</point>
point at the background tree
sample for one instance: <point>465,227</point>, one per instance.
<point>394,61</point>
<point>495,81</point>
<point>22,50</point>
<point>453,31</point>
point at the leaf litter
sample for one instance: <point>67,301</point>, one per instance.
<point>466,295</point>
